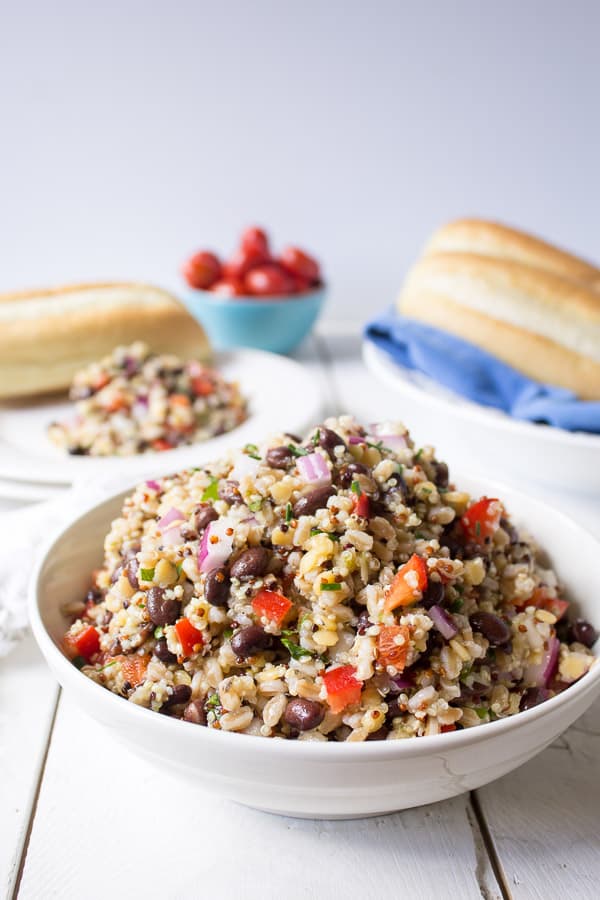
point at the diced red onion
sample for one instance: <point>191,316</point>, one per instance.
<point>402,682</point>
<point>391,441</point>
<point>314,469</point>
<point>244,465</point>
<point>153,485</point>
<point>172,536</point>
<point>355,439</point>
<point>139,410</point>
<point>542,674</point>
<point>443,621</point>
<point>173,515</point>
<point>211,553</point>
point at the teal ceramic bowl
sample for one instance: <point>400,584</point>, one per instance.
<point>278,324</point>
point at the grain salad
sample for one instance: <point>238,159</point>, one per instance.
<point>135,401</point>
<point>337,587</point>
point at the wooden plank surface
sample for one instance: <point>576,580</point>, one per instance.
<point>545,817</point>
<point>28,696</point>
<point>109,824</point>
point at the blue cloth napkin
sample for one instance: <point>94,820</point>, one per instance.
<point>478,375</point>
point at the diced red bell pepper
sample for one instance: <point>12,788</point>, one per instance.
<point>446,728</point>
<point>389,652</point>
<point>272,606</point>
<point>342,686</point>
<point>202,386</point>
<point>543,600</point>
<point>362,506</point>
<point>409,583</point>
<point>85,644</point>
<point>161,444</point>
<point>482,519</point>
<point>190,638</point>
<point>134,668</point>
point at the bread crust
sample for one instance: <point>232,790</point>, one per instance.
<point>538,357</point>
<point>535,301</point>
<point>47,335</point>
<point>493,239</point>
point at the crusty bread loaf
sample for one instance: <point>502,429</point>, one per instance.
<point>47,335</point>
<point>500,241</point>
<point>540,323</point>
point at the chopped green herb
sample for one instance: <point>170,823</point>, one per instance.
<point>255,505</point>
<point>212,491</point>
<point>295,650</point>
<point>420,536</point>
<point>426,491</point>
<point>303,619</point>
<point>288,512</point>
<point>108,665</point>
<point>78,662</point>
<point>465,672</point>
<point>356,488</point>
<point>252,450</point>
<point>331,586</point>
<point>195,469</point>
<point>379,446</point>
<point>213,701</point>
<point>158,632</point>
<point>316,437</point>
<point>418,454</point>
<point>179,567</point>
<point>457,605</point>
<point>228,633</point>
<point>297,451</point>
<point>147,574</point>
<point>330,534</point>
<point>400,468</point>
<point>478,529</point>
<point>481,711</point>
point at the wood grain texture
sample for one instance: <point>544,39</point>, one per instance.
<point>139,830</point>
<point>544,818</point>
<point>28,696</point>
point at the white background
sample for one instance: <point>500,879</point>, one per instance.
<point>134,132</point>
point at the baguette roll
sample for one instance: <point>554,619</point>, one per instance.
<point>541,324</point>
<point>492,239</point>
<point>48,335</point>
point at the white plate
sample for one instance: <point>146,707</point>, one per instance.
<point>281,394</point>
<point>490,440</point>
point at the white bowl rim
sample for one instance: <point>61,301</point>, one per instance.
<point>384,368</point>
<point>319,750</point>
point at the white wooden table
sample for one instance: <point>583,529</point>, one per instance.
<point>82,817</point>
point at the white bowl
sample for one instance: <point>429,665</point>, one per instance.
<point>317,779</point>
<point>485,437</point>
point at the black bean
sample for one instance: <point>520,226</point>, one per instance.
<point>441,474</point>
<point>533,697</point>
<point>434,594</point>
<point>250,563</point>
<point>491,627</point>
<point>230,492</point>
<point>510,530</point>
<point>162,652</point>
<point>195,712</point>
<point>583,632</point>
<point>216,586</point>
<point>364,622</point>
<point>303,714</point>
<point>203,515</point>
<point>77,451</point>
<point>314,500</point>
<point>131,571</point>
<point>160,610</point>
<point>379,735</point>
<point>348,472</point>
<point>293,437</point>
<point>116,574</point>
<point>279,457</point>
<point>94,596</point>
<point>394,707</point>
<point>181,694</point>
<point>249,640</point>
<point>328,440</point>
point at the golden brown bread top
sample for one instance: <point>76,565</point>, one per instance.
<point>487,238</point>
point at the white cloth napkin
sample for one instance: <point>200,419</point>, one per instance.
<point>23,534</point>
